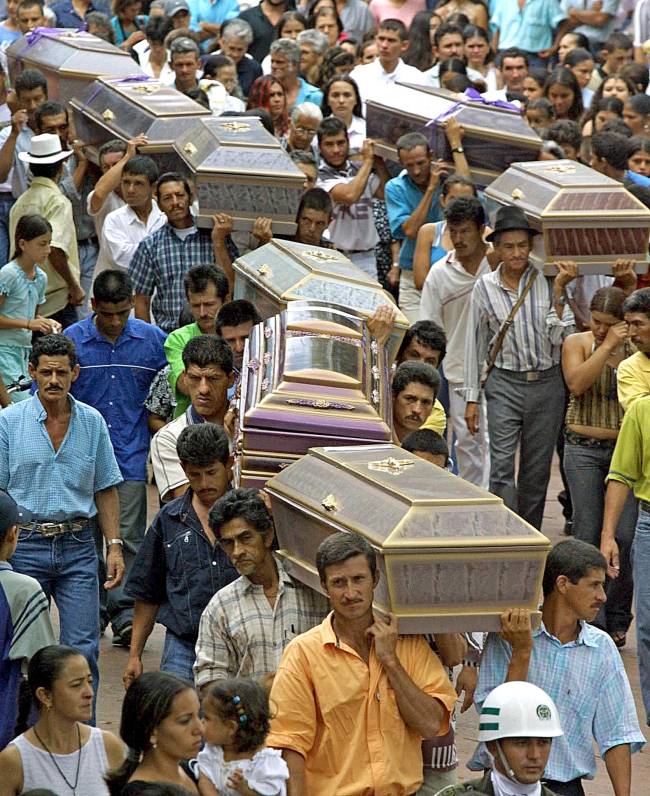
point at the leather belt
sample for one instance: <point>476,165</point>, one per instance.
<point>48,529</point>
<point>644,506</point>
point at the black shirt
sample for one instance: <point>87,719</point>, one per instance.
<point>263,31</point>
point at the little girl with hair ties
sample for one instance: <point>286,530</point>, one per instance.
<point>236,719</point>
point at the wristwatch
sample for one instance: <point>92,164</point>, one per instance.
<point>458,149</point>
<point>115,541</point>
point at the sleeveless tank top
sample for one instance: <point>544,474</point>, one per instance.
<point>40,772</point>
<point>598,406</point>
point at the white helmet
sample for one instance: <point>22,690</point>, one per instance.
<point>518,710</point>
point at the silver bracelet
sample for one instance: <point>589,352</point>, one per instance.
<point>110,542</point>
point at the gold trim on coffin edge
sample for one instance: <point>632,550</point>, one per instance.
<point>129,88</point>
<point>533,604</point>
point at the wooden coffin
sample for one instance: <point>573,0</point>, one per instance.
<point>312,376</point>
<point>126,107</point>
<point>582,214</point>
<point>451,556</point>
<point>494,137</point>
<point>241,169</point>
<point>69,59</point>
<point>283,271</point>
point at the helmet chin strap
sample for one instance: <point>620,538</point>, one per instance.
<point>506,765</point>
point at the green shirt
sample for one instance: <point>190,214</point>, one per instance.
<point>631,460</point>
<point>174,345</point>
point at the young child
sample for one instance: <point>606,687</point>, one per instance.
<point>24,619</point>
<point>429,445</point>
<point>235,760</point>
<point>22,290</point>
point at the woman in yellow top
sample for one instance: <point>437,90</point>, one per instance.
<point>593,419</point>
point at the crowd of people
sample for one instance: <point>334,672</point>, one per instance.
<point>121,353</point>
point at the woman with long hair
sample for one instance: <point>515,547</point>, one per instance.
<point>341,98</point>
<point>419,53</point>
<point>328,22</point>
<point>593,419</point>
<point>60,751</point>
<point>268,94</point>
<point>581,63</point>
<point>636,114</point>
<point>638,155</point>
<point>532,86</point>
<point>479,55</point>
<point>161,728</point>
<point>562,90</point>
<point>127,22</point>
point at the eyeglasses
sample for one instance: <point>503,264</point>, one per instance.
<point>305,130</point>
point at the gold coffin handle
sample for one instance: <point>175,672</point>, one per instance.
<point>330,503</point>
<point>108,115</point>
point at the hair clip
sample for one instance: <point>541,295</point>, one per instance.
<point>236,701</point>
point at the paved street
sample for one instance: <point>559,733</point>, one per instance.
<point>112,661</point>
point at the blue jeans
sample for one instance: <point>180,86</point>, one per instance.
<point>586,470</point>
<point>178,657</point>
<point>6,203</point>
<point>640,569</point>
<point>66,568</point>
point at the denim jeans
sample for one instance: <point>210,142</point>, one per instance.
<point>586,470</point>
<point>66,567</point>
<point>640,568</point>
<point>178,657</point>
<point>6,203</point>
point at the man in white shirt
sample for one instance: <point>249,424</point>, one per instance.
<point>445,300</point>
<point>126,227</point>
<point>388,67</point>
<point>447,43</point>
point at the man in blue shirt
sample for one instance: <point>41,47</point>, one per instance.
<point>118,359</point>
<point>412,199</point>
<point>180,564</point>
<point>73,15</point>
<point>57,463</point>
<point>577,664</point>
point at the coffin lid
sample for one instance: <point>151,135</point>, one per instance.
<point>428,104</point>
<point>238,145</point>
<point>399,501</point>
<point>564,189</point>
<point>72,53</point>
<point>314,369</point>
<point>294,271</point>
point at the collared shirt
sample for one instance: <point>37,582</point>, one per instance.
<point>159,265</point>
<point>632,378</point>
<point>372,77</point>
<point>21,298</point>
<point>115,378</point>
<point>308,93</point>
<point>445,300</point>
<point>630,464</point>
<point>432,75</point>
<point>25,628</point>
<point>45,199</point>
<point>112,202</point>
<point>402,197</point>
<point>594,34</point>
<point>174,346</point>
<point>532,342</point>
<point>587,681</point>
<point>215,11</point>
<point>67,16</point>
<point>530,28</point>
<point>55,485</point>
<point>242,635</point>
<point>352,227</point>
<point>123,232</point>
<point>167,468</point>
<point>178,568</point>
<point>20,175</point>
<point>341,714</point>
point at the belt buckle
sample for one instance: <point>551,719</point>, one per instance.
<point>50,528</point>
<point>532,375</point>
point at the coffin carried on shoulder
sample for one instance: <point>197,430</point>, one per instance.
<point>283,271</point>
<point>451,556</point>
<point>312,375</point>
<point>495,136</point>
<point>239,168</point>
<point>125,107</point>
<point>582,215</point>
<point>70,60</point>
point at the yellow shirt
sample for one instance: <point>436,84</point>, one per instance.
<point>437,420</point>
<point>633,379</point>
<point>341,714</point>
<point>631,460</point>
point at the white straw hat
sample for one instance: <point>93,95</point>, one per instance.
<point>45,148</point>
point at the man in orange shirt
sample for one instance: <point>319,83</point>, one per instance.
<point>353,699</point>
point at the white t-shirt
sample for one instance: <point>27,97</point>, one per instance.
<point>122,233</point>
<point>112,202</point>
<point>265,773</point>
<point>353,226</point>
<point>370,78</point>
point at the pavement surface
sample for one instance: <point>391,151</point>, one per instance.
<point>113,660</point>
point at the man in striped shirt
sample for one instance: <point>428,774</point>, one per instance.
<point>247,624</point>
<point>524,390</point>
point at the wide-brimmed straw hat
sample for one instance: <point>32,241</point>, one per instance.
<point>45,148</point>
